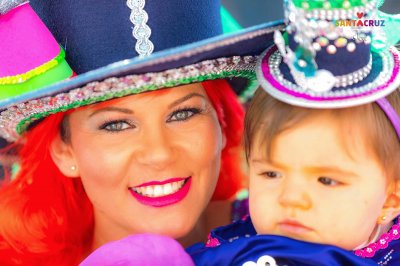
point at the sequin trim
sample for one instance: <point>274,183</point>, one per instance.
<point>337,13</point>
<point>16,119</point>
<point>381,243</point>
<point>20,78</point>
<point>141,31</point>
<point>7,5</point>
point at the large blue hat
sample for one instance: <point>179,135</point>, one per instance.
<point>119,48</point>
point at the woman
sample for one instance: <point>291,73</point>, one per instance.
<point>96,167</point>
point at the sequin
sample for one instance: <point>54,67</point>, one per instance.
<point>331,49</point>
<point>322,41</point>
<point>351,47</point>
<point>341,42</point>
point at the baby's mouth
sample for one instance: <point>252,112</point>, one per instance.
<point>160,189</point>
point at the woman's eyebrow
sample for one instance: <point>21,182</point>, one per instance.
<point>185,98</point>
<point>112,109</point>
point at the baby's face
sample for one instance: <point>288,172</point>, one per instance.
<point>314,189</point>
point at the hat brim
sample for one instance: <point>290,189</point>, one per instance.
<point>227,56</point>
<point>275,77</point>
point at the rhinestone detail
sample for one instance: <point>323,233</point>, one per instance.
<point>341,81</point>
<point>338,13</point>
<point>15,119</point>
<point>271,78</point>
<point>7,5</point>
<point>141,31</point>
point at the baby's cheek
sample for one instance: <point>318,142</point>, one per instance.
<point>261,212</point>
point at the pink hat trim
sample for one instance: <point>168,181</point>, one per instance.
<point>26,42</point>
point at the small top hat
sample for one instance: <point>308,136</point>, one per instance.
<point>120,48</point>
<point>334,54</point>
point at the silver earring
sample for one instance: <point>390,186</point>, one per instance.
<point>73,167</point>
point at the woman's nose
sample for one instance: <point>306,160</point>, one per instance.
<point>295,195</point>
<point>155,148</point>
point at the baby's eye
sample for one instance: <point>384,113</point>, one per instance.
<point>183,114</point>
<point>271,174</point>
<point>116,126</point>
<point>328,181</point>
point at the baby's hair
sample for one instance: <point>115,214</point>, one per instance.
<point>267,117</point>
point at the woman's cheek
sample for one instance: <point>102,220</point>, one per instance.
<point>102,167</point>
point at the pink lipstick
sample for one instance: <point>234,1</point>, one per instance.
<point>162,193</point>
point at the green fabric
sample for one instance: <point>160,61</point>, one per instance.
<point>385,37</point>
<point>229,24</point>
<point>60,72</point>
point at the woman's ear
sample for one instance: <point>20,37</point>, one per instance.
<point>391,208</point>
<point>63,156</point>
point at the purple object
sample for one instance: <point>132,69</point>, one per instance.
<point>390,113</point>
<point>140,249</point>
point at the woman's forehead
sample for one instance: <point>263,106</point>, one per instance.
<point>172,92</point>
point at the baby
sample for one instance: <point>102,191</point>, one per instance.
<point>321,176</point>
<point>322,140</point>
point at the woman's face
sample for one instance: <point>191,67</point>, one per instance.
<point>148,162</point>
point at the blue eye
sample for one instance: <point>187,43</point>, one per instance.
<point>116,126</point>
<point>183,114</point>
<point>328,181</point>
<point>272,175</point>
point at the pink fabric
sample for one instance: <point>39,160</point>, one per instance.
<point>26,43</point>
<point>381,243</point>
<point>140,249</point>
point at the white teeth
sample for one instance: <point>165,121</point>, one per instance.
<point>167,189</point>
<point>149,190</point>
<point>159,190</point>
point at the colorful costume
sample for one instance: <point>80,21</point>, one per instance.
<point>239,243</point>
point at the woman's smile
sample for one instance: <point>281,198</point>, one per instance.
<point>159,194</point>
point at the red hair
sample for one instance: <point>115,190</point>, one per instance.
<point>47,219</point>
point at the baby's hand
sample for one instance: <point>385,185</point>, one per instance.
<point>141,249</point>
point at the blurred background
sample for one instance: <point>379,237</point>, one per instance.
<point>253,12</point>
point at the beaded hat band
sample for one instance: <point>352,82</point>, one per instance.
<point>15,120</point>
